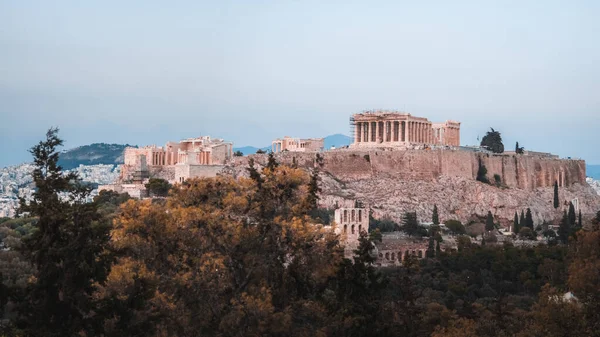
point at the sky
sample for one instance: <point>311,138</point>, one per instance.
<point>147,72</point>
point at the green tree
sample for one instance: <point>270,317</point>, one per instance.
<point>430,252</point>
<point>489,222</point>
<point>67,249</point>
<point>556,202</point>
<point>522,222</point>
<point>516,226</point>
<point>238,153</point>
<point>526,233</point>
<point>435,217</point>
<point>579,221</point>
<point>529,219</point>
<point>158,187</point>
<point>410,224</point>
<point>572,216</point>
<point>493,141</point>
<point>564,230</point>
<point>272,162</point>
<point>455,226</point>
<point>519,150</point>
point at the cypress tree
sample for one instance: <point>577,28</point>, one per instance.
<point>522,220</point>
<point>571,215</point>
<point>438,250</point>
<point>579,223</point>
<point>529,219</point>
<point>516,226</point>
<point>556,194</point>
<point>489,222</point>
<point>272,163</point>
<point>435,218</point>
<point>430,252</point>
<point>564,229</point>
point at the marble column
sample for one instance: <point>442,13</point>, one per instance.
<point>357,133</point>
<point>377,131</point>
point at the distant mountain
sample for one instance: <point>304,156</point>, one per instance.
<point>593,171</point>
<point>97,153</point>
<point>337,140</point>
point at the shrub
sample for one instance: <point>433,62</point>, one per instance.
<point>455,226</point>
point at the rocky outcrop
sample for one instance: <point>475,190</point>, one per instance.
<point>392,182</point>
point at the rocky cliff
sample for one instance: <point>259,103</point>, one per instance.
<point>394,181</point>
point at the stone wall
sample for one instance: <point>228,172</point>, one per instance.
<point>515,171</point>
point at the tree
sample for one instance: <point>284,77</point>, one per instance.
<point>272,162</point>
<point>435,217</point>
<point>67,248</point>
<point>522,222</point>
<point>238,153</point>
<point>430,252</point>
<point>410,225</point>
<point>519,150</point>
<point>556,202</point>
<point>158,187</point>
<point>579,221</point>
<point>516,226</point>
<point>572,216</point>
<point>564,230</point>
<point>482,173</point>
<point>455,227</point>
<point>489,222</point>
<point>493,141</point>
<point>260,151</point>
<point>225,257</point>
<point>529,219</point>
<point>526,233</point>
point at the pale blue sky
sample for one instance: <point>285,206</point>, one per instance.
<point>143,72</point>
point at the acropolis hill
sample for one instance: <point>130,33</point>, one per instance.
<point>397,163</point>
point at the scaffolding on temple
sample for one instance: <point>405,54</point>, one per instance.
<point>352,128</point>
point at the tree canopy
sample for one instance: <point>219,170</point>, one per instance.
<point>493,141</point>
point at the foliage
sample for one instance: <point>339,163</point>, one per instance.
<point>519,150</point>
<point>410,224</point>
<point>516,225</point>
<point>66,248</point>
<point>435,218</point>
<point>238,153</point>
<point>493,141</point>
<point>367,158</point>
<point>571,215</point>
<point>455,226</point>
<point>528,219</point>
<point>564,230</point>
<point>526,233</point>
<point>497,180</point>
<point>384,225</point>
<point>260,151</point>
<point>489,222</point>
<point>158,187</point>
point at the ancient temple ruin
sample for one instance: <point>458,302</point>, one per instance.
<point>379,128</point>
<point>297,144</point>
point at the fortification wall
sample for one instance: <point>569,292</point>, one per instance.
<point>515,171</point>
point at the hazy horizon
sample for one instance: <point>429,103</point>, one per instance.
<point>143,73</point>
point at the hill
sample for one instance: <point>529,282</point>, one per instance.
<point>337,140</point>
<point>93,154</point>
<point>593,171</point>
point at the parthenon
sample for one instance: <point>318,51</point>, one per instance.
<point>389,128</point>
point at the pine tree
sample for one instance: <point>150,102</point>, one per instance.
<point>529,219</point>
<point>571,215</point>
<point>435,218</point>
<point>493,141</point>
<point>564,230</point>
<point>67,248</point>
<point>516,226</point>
<point>410,224</point>
<point>556,194</point>
<point>489,222</point>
